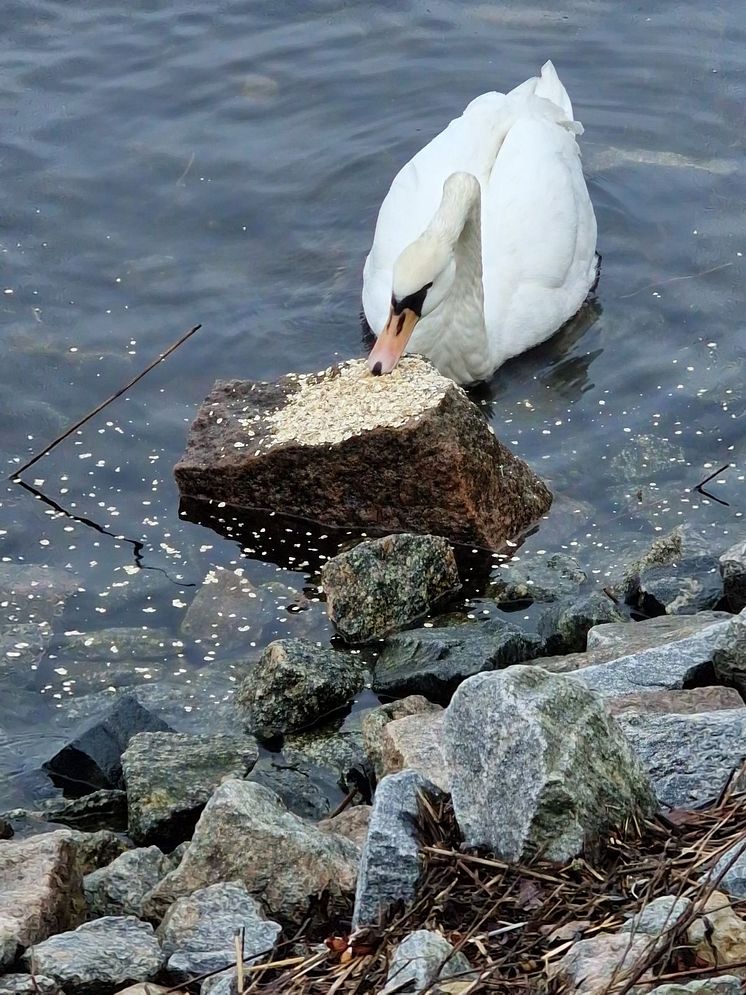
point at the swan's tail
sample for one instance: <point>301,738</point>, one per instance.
<point>550,87</point>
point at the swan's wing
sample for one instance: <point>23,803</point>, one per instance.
<point>538,230</point>
<point>466,144</point>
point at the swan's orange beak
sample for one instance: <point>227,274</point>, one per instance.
<point>392,341</point>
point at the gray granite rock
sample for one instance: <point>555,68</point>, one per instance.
<point>434,661</point>
<point>28,984</point>
<point>723,984</point>
<point>658,916</point>
<point>415,742</point>
<point>591,966</point>
<point>565,624</point>
<point>40,892</point>
<point>94,756</point>
<point>733,572</point>
<point>198,931</point>
<point>621,639</point>
<point>94,850</point>
<point>385,585</point>
<point>667,666</point>
<point>391,864</point>
<point>119,888</point>
<point>679,574</point>
<point>420,959</point>
<point>170,777</point>
<point>689,702</point>
<point>295,684</point>
<point>538,579</point>
<point>729,657</point>
<point>246,834</point>
<point>338,748</point>
<point>375,721</point>
<point>537,765</point>
<point>99,956</point>
<point>102,809</point>
<point>689,758</point>
<point>733,880</point>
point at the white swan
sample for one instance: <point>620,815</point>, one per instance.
<point>486,242</point>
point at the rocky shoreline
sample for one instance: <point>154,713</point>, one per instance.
<point>540,744</point>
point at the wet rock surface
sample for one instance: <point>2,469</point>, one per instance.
<point>384,585</point>
<point>434,661</point>
<point>678,575</point>
<point>556,577</point>
<point>94,756</point>
<point>367,451</point>
<point>246,834</point>
<point>226,614</point>
<point>689,758</point>
<point>537,765</point>
<point>40,892</point>
<point>119,888</point>
<point>198,932</point>
<point>391,863</point>
<point>733,572</point>
<point>99,956</point>
<point>33,594</point>
<point>565,624</point>
<point>295,684</point>
<point>171,776</point>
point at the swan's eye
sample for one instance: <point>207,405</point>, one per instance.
<point>412,302</point>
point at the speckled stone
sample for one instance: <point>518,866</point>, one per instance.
<point>420,959</point>
<point>434,661</point>
<point>537,765</point>
<point>246,834</point>
<point>421,457</point>
<point>565,624</point>
<point>170,777</point>
<point>198,931</point>
<point>385,585</point>
<point>295,684</point>
<point>374,722</point>
<point>119,888</point>
<point>99,956</point>
<point>733,572</point>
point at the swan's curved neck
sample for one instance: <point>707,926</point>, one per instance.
<point>455,330</point>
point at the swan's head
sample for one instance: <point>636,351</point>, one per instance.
<point>424,272</point>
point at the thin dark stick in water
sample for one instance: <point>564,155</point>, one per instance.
<point>699,488</point>
<point>100,407</point>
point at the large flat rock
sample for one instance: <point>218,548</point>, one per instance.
<point>404,452</point>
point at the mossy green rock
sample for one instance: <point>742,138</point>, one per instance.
<point>537,765</point>
<point>385,585</point>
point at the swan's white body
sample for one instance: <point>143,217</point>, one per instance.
<point>522,241</point>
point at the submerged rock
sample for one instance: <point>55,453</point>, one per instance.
<point>198,931</point>
<point>226,614</point>
<point>689,758</point>
<point>22,646</point>
<point>40,892</point>
<point>404,452</point>
<point>99,956</point>
<point>679,575</point>
<point>434,661</point>
<point>131,644</point>
<point>384,585</point>
<point>295,684</point>
<point>565,624</point>
<point>537,765</point>
<point>246,834</point>
<point>94,756</point>
<point>420,959</point>
<point>733,572</point>
<point>119,888</point>
<point>171,776</point>
<point>559,576</point>
<point>33,594</point>
<point>391,865</point>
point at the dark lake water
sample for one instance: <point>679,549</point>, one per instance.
<point>223,163</point>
